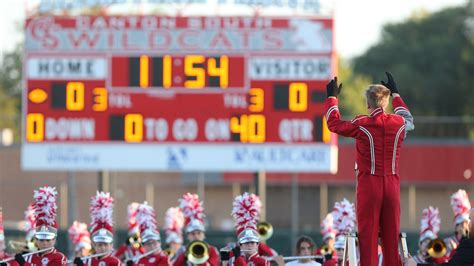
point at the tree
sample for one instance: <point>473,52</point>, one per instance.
<point>10,92</point>
<point>432,59</point>
<point>352,99</point>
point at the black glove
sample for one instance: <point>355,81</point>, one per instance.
<point>225,255</point>
<point>129,262</point>
<point>19,258</point>
<point>236,251</point>
<point>78,261</point>
<point>332,89</point>
<point>3,264</point>
<point>390,84</point>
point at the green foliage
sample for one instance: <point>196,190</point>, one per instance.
<point>352,100</point>
<point>10,92</point>
<point>432,60</point>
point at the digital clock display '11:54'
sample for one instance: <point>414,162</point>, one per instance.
<point>170,71</point>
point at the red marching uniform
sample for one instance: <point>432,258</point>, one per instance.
<point>9,263</point>
<point>128,251</point>
<point>52,257</point>
<point>378,140</point>
<point>159,260</point>
<point>107,260</point>
<point>254,259</point>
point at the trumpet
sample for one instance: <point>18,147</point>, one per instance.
<point>265,230</point>
<point>437,248</point>
<point>197,252</point>
<point>134,242</point>
<point>168,251</point>
<point>27,254</point>
<point>326,250</point>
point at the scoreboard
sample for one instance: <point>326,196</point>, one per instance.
<point>148,93</point>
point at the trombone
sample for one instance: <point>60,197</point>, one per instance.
<point>22,245</point>
<point>437,248</point>
<point>197,252</point>
<point>28,254</point>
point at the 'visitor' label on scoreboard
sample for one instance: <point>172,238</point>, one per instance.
<point>310,68</point>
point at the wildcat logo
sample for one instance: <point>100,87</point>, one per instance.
<point>311,36</point>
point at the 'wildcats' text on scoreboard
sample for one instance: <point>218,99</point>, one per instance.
<point>195,82</point>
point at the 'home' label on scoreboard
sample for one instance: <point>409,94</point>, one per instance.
<point>66,68</point>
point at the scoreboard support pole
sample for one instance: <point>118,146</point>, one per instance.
<point>71,203</point>
<point>261,190</point>
<point>294,210</point>
<point>103,182</point>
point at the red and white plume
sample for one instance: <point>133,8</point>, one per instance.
<point>192,208</point>
<point>132,218</point>
<point>174,223</point>
<point>461,206</point>
<point>101,211</point>
<point>30,223</point>
<point>146,217</point>
<point>430,223</point>
<point>344,217</point>
<point>246,211</point>
<point>327,227</point>
<point>79,236</point>
<point>45,206</point>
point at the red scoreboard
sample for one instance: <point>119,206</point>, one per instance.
<point>149,93</point>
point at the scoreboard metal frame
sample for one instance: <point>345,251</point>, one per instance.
<point>178,94</point>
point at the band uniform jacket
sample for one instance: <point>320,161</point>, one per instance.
<point>127,252</point>
<point>53,258</point>
<point>464,253</point>
<point>452,242</point>
<point>253,260</point>
<point>370,160</point>
<point>9,263</point>
<point>107,260</point>
<point>154,259</point>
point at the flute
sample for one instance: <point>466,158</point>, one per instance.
<point>27,254</point>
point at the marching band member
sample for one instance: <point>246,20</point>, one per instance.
<point>101,212</point>
<point>30,222</point>
<point>3,254</point>
<point>193,212</point>
<point>150,237</point>
<point>304,247</point>
<point>344,220</point>
<point>430,226</point>
<point>329,236</point>
<point>461,206</point>
<point>131,247</point>
<point>45,230</point>
<point>245,211</point>
<point>174,222</point>
<point>379,137</point>
<point>80,238</point>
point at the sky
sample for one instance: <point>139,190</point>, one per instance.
<point>355,32</point>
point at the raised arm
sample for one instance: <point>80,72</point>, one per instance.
<point>399,106</point>
<point>333,117</point>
